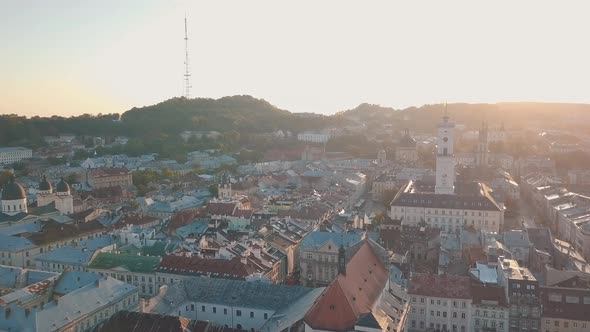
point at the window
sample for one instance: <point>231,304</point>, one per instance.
<point>444,314</point>
<point>421,300</point>
<point>463,315</point>
<point>454,314</point>
<point>193,307</point>
<point>203,308</point>
<point>225,311</point>
<point>265,315</point>
<point>251,314</point>
<point>438,314</point>
<point>239,313</point>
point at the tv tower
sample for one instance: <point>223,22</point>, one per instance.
<point>187,73</point>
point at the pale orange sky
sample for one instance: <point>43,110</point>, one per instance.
<point>63,57</point>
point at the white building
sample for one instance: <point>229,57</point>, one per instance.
<point>246,305</point>
<point>445,161</point>
<point>447,205</point>
<point>79,302</point>
<point>14,154</point>
<point>489,309</point>
<point>314,137</point>
<point>14,199</point>
<point>439,302</point>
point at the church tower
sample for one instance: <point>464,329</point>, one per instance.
<point>481,155</point>
<point>445,159</point>
<point>224,188</point>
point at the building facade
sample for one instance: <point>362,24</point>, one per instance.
<point>522,291</point>
<point>110,177</point>
<point>12,155</point>
<point>61,196</point>
<point>439,303</point>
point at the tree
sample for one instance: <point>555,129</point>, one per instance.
<point>5,177</point>
<point>72,178</point>
<point>214,190</point>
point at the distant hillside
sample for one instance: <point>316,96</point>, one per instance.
<point>243,114</point>
<point>249,115</point>
<point>513,115</point>
<point>240,113</point>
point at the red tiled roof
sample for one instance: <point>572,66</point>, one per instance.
<point>99,172</point>
<point>246,214</point>
<point>350,295</point>
<point>221,208</point>
<point>447,286</point>
<point>183,218</point>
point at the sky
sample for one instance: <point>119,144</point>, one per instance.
<point>106,56</point>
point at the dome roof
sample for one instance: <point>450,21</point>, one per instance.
<point>62,187</point>
<point>44,185</point>
<point>407,141</point>
<point>13,191</point>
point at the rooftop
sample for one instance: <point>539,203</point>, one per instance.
<point>138,322</point>
<point>473,197</point>
<point>317,239</point>
<point>512,270</point>
<point>350,295</point>
<point>236,293</point>
<point>141,264</point>
<point>196,266</point>
<point>443,286</point>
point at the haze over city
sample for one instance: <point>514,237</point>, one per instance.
<point>303,166</point>
<point>68,58</point>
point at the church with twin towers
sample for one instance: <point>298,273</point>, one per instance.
<point>448,204</point>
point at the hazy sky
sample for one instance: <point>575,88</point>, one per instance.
<point>73,57</point>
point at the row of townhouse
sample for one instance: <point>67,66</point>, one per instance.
<point>567,213</point>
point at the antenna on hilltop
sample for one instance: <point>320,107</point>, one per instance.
<point>187,73</point>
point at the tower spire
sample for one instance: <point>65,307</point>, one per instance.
<point>187,73</point>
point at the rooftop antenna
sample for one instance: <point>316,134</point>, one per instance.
<point>187,73</point>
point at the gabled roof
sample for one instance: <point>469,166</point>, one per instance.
<point>350,295</point>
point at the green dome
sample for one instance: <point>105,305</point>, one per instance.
<point>44,185</point>
<point>13,191</point>
<point>62,187</point>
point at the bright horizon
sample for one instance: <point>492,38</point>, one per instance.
<point>63,58</point>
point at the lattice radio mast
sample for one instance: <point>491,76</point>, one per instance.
<point>187,72</point>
